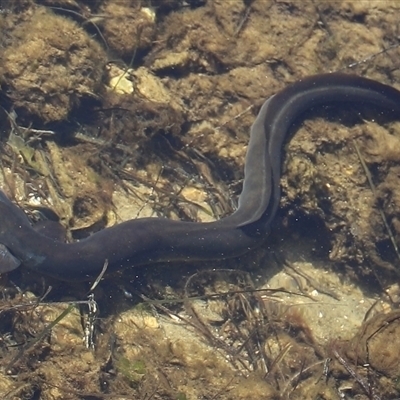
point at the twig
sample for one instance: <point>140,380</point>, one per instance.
<point>366,387</point>
<point>101,274</point>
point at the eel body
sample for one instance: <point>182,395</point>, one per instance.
<point>152,240</point>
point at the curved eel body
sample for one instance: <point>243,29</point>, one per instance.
<point>152,240</point>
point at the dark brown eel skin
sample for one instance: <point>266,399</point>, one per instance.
<point>153,240</point>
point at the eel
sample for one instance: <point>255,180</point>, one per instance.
<point>154,240</point>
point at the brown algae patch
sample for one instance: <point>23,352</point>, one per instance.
<point>50,66</point>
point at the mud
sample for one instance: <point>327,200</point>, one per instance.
<point>120,109</point>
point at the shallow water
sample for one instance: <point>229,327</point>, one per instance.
<point>166,137</point>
